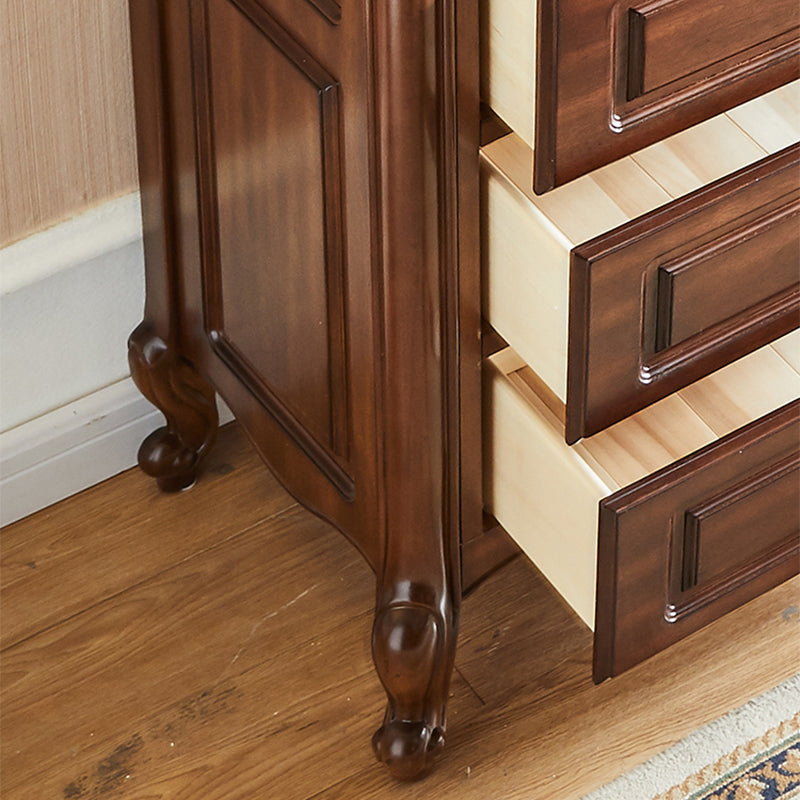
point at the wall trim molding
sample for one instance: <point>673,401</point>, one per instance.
<point>75,447</point>
<point>80,239</point>
<point>72,448</point>
<point>70,415</point>
<point>69,297</point>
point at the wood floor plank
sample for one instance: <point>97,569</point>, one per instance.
<point>247,733</point>
<point>207,619</point>
<point>82,550</point>
<point>235,664</point>
<point>561,736</point>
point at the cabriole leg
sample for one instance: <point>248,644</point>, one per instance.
<point>413,647</point>
<point>172,454</point>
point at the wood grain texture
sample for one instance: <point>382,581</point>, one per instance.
<point>546,494</point>
<point>744,390</point>
<point>630,323</point>
<point>486,553</point>
<point>426,81</point>
<point>269,122</point>
<point>773,119</point>
<point>539,491</point>
<point>644,601</point>
<point>175,691</point>
<point>508,61</point>
<point>66,111</point>
<point>631,346</point>
<point>605,92</point>
<point>788,347</point>
<point>336,312</point>
<point>674,40</point>
<point>694,158</point>
<point>718,538</point>
<point>77,563</point>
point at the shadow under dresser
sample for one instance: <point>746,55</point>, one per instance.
<point>324,232</point>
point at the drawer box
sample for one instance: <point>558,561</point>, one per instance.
<point>664,521</point>
<point>602,286</point>
<point>622,75</point>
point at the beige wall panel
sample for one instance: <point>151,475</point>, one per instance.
<point>66,110</point>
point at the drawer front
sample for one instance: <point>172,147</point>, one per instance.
<point>671,40</point>
<point>662,301</point>
<point>623,75</point>
<point>697,539</point>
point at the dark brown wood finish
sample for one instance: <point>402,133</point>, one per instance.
<point>669,39</point>
<point>483,555</point>
<point>338,316</point>
<point>257,678</point>
<point>697,539</point>
<point>171,454</point>
<point>419,588</point>
<point>309,189</point>
<point>727,271</point>
<point>742,524</point>
<point>613,77</point>
<point>641,325</point>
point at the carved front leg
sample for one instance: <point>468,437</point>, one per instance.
<point>172,454</point>
<point>413,647</point>
<point>425,355</point>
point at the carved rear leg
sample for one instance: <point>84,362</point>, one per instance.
<point>172,454</point>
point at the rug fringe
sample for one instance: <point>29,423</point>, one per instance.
<point>737,761</point>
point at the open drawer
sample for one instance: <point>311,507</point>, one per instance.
<point>627,284</point>
<point>589,81</point>
<point>668,519</point>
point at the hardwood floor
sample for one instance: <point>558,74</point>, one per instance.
<point>214,645</point>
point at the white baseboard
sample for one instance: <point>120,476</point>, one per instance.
<point>75,447</point>
<point>69,415</point>
<point>72,448</point>
<point>69,297</point>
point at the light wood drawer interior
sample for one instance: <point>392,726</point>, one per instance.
<point>508,62</point>
<point>546,494</point>
<point>602,95</point>
<point>508,75</point>
<point>528,239</point>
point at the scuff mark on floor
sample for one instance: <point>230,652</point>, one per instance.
<point>109,775</point>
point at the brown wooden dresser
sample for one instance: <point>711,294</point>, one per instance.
<point>323,232</point>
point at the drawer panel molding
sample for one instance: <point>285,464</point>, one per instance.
<point>639,548</point>
<point>658,303</point>
<point>741,529</point>
<point>625,75</point>
<point>663,522</point>
<point>617,291</point>
<point>723,269</point>
<point>674,40</point>
<point>546,494</point>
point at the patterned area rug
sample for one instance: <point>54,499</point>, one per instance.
<point>713,764</point>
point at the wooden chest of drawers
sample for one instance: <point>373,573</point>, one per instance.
<point>311,201</point>
<point>621,289</point>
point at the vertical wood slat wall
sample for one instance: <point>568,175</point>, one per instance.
<point>66,110</point>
